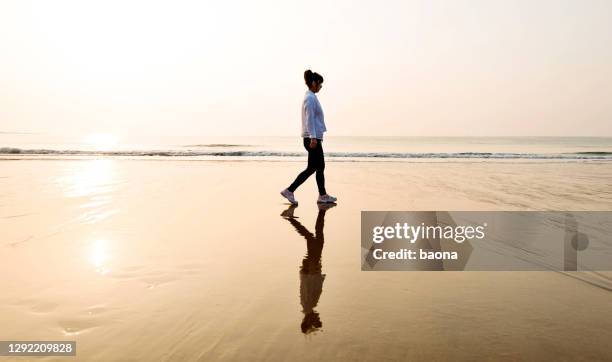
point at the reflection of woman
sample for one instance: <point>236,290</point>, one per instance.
<point>311,278</point>
<point>313,127</point>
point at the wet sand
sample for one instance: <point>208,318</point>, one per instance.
<point>192,260</point>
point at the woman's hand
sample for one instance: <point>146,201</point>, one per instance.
<point>313,143</point>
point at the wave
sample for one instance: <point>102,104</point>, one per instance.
<point>368,155</point>
<point>594,153</point>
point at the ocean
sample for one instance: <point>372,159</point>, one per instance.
<point>337,148</point>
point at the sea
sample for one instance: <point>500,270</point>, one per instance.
<point>337,148</point>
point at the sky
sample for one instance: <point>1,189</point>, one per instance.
<point>402,68</point>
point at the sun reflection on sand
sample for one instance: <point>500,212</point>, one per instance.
<point>94,180</point>
<point>88,178</point>
<point>99,255</point>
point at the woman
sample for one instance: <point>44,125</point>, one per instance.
<point>313,127</point>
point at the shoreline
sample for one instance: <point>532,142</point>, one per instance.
<point>301,159</point>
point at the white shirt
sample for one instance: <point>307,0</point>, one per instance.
<point>313,123</point>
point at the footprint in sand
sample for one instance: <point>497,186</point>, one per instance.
<point>150,278</point>
<point>154,278</point>
<point>44,307</point>
<point>89,318</point>
<point>191,269</point>
<point>96,310</point>
<point>154,281</point>
<point>35,305</point>
<point>77,325</point>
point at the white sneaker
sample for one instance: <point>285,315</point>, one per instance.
<point>289,196</point>
<point>326,199</point>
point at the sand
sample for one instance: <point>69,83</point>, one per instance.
<point>191,260</point>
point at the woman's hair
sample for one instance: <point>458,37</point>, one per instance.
<point>310,77</point>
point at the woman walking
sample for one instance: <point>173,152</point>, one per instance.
<point>313,126</point>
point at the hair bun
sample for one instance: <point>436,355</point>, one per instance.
<point>310,77</point>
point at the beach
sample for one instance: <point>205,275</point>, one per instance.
<point>149,259</point>
<point>149,151</point>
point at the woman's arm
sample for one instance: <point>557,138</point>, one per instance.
<point>311,123</point>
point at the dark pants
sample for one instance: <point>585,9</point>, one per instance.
<point>316,163</point>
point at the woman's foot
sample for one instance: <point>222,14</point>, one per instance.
<point>326,199</point>
<point>289,196</point>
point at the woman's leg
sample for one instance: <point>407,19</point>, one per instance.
<point>310,168</point>
<point>320,168</point>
